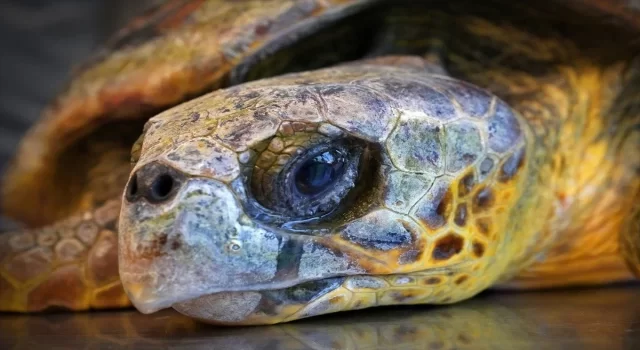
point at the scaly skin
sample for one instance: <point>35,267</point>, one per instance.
<point>455,212</point>
<point>430,212</point>
<point>72,264</point>
<point>553,209</point>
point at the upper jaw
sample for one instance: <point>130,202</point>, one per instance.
<point>197,245</point>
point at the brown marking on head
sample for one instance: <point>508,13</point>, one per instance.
<point>445,205</point>
<point>478,249</point>
<point>175,245</point>
<point>483,200</point>
<point>484,226</point>
<point>447,246</point>
<point>461,215</point>
<point>413,253</point>
<point>411,256</point>
<point>461,279</point>
<point>432,280</point>
<point>409,228</point>
<point>415,236</point>
<point>402,296</point>
<point>435,208</point>
<point>512,166</point>
<point>465,185</point>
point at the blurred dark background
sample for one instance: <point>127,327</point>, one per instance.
<point>40,42</point>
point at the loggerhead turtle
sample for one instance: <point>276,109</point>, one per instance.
<point>354,153</point>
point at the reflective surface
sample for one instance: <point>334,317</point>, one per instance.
<point>574,319</point>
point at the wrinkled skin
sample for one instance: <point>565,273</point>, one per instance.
<point>474,147</point>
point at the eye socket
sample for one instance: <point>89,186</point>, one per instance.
<point>311,182</point>
<point>317,174</point>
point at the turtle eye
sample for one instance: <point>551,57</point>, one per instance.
<point>320,172</point>
<point>309,181</point>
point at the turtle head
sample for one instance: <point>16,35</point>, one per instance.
<point>287,197</point>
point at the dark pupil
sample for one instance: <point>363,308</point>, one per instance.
<point>318,173</point>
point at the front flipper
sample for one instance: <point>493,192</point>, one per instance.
<point>72,264</point>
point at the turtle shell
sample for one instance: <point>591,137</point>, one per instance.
<point>182,49</point>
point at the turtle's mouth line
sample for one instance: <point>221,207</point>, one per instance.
<point>148,303</point>
<point>148,300</point>
<point>259,306</point>
<point>289,290</point>
<point>315,288</point>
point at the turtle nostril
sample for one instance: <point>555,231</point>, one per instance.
<point>154,183</point>
<point>162,187</point>
<point>132,189</point>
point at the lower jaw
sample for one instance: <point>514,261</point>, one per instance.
<point>263,307</point>
<point>319,297</point>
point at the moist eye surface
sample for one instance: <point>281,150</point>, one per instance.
<point>320,172</point>
<point>313,181</point>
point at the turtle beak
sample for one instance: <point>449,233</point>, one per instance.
<point>186,241</point>
<point>143,300</point>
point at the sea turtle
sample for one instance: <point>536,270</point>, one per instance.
<point>308,157</point>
